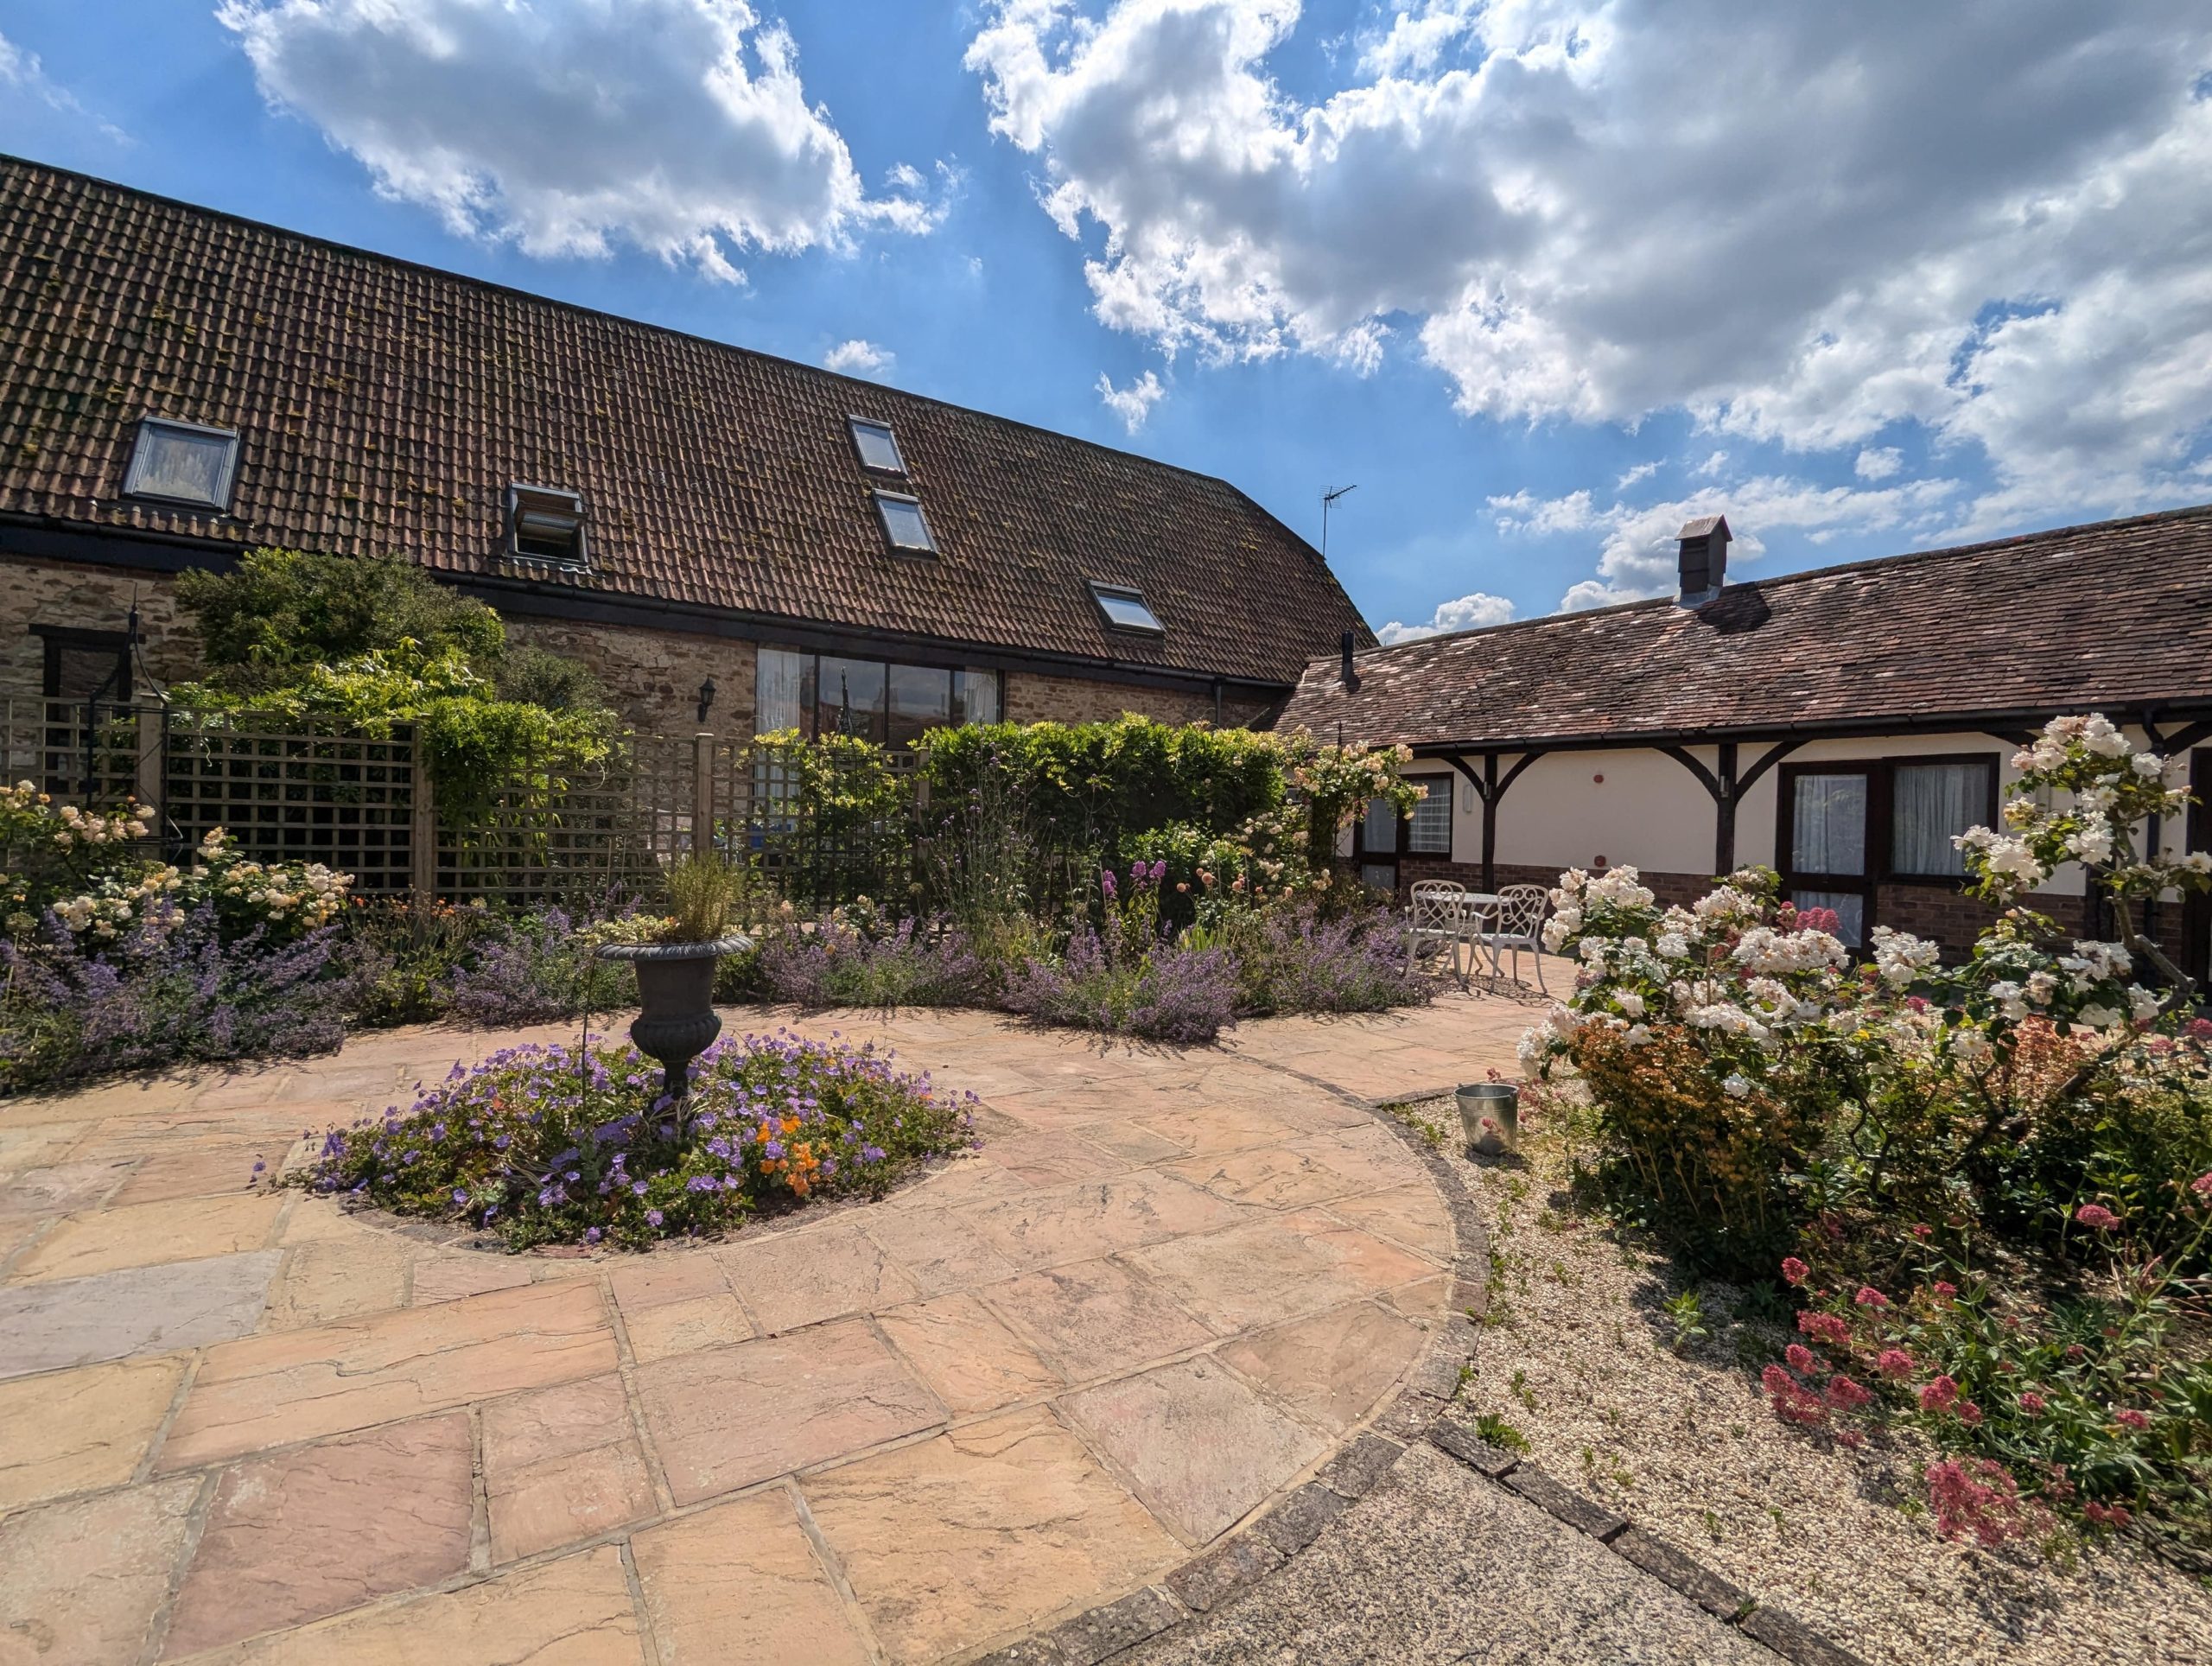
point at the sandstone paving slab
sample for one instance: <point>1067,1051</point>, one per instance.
<point>1095,1318</point>
<point>1202,1449</point>
<point>790,1279</point>
<point>328,1279</point>
<point>1047,1157</point>
<point>75,1430</point>
<point>81,1321</point>
<point>194,1170</point>
<point>183,1228</point>
<point>561,1464</point>
<point>1411,1215</point>
<point>574,1611</point>
<point>326,1527</point>
<point>740,1585</point>
<point>680,1327</point>
<point>468,1273</point>
<point>1275,1268</point>
<point>1097,1217</point>
<point>962,1350</point>
<point>81,1581</point>
<point>982,1533</point>
<point>728,1417</point>
<point>1333,1368</point>
<point>1302,1172</point>
<point>268,1391</point>
<point>936,1252</point>
<point>62,1189</point>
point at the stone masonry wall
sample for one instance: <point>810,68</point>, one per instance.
<point>1035,698</point>
<point>87,599</point>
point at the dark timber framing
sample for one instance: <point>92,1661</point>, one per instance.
<point>1489,789</point>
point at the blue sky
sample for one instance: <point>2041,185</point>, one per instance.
<point>1541,276</point>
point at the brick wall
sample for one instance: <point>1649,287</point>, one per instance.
<point>89,599</point>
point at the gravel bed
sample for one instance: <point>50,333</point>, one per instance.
<point>1578,1356</point>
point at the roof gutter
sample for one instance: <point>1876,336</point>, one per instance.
<point>2008,718</point>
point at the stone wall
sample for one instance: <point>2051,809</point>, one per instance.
<point>652,677</point>
<point>1035,698</point>
<point>87,599</point>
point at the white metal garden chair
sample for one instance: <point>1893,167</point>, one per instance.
<point>1515,925</point>
<point>1437,921</point>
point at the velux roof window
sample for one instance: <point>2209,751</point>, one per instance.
<point>904,523</point>
<point>545,523</point>
<point>1126,609</point>
<point>183,463</point>
<point>878,446</point>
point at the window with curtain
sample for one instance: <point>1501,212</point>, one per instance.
<point>975,696</point>
<point>1930,805</point>
<point>1379,828</point>
<point>781,691</point>
<point>1828,825</point>
<point>1431,832</point>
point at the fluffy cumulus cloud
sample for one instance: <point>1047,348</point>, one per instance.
<point>859,358</point>
<point>680,126</point>
<point>1134,403</point>
<point>1809,229</point>
<point>1467,613</point>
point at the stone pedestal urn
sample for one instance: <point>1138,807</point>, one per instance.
<point>676,1020</point>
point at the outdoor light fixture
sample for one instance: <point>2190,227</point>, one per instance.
<point>706,697</point>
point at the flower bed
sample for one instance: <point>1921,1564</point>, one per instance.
<point>573,1145</point>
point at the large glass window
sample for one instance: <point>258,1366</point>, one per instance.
<point>1828,826</point>
<point>1430,833</point>
<point>831,693</point>
<point>1930,805</point>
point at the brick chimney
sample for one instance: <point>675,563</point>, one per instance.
<point>1704,563</point>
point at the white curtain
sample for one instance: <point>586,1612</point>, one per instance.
<point>1380,834</point>
<point>1828,825</point>
<point>1933,803</point>
<point>781,689</point>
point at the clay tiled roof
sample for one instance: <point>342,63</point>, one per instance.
<point>384,405</point>
<point>2118,614</point>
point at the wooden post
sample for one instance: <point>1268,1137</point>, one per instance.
<point>1724,813</point>
<point>1489,821</point>
<point>702,793</point>
<point>422,824</point>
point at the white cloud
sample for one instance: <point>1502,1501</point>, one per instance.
<point>677,125</point>
<point>1467,613</point>
<point>1134,403</point>
<point>1877,463</point>
<point>20,70</point>
<point>1640,472</point>
<point>1987,221</point>
<point>859,358</point>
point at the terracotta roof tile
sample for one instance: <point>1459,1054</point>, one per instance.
<point>2114,614</point>
<point>383,405</point>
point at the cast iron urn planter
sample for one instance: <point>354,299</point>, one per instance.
<point>675,1021</point>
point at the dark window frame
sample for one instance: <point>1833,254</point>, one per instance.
<point>219,504</point>
<point>810,710</point>
<point>854,423</point>
<point>1991,794</point>
<point>581,561</point>
<point>1100,589</point>
<point>61,638</point>
<point>929,551</point>
<point>1881,781</point>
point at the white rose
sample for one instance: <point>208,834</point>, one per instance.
<point>1736,1087</point>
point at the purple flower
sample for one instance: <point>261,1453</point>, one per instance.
<point>591,1235</point>
<point>652,1217</point>
<point>1106,883</point>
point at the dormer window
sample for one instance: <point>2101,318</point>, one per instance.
<point>183,463</point>
<point>1126,609</point>
<point>545,523</point>
<point>904,523</point>
<point>877,446</point>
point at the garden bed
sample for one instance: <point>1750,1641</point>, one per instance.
<point>1578,1358</point>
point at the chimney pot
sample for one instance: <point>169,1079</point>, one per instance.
<point>1349,676</point>
<point>1704,559</point>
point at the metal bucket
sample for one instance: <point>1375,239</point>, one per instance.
<point>1489,1112</point>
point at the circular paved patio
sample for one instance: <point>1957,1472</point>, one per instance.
<point>1171,1285</point>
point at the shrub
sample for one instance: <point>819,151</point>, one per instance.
<point>1289,959</point>
<point>841,964</point>
<point>542,963</point>
<point>170,990</point>
<point>1131,979</point>
<point>409,953</point>
<point>570,1145</point>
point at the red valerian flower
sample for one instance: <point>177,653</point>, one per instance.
<point>1894,1362</point>
<point>2105,1514</point>
<point>1826,1328</point>
<point>1868,1296</point>
<point>2202,1184</point>
<point>1941,1395</point>
<point>1944,1289</point>
<point>1845,1395</point>
<point>1969,1414</point>
<point>2128,1417</point>
<point>2097,1216</point>
<point>1800,1358</point>
<point>2033,1404</point>
<point>1978,1497</point>
<point>1797,1272</point>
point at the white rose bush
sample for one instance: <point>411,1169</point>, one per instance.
<point>1884,1131</point>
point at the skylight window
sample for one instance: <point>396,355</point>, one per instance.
<point>183,463</point>
<point>878,446</point>
<point>1126,609</point>
<point>545,523</point>
<point>903,523</point>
